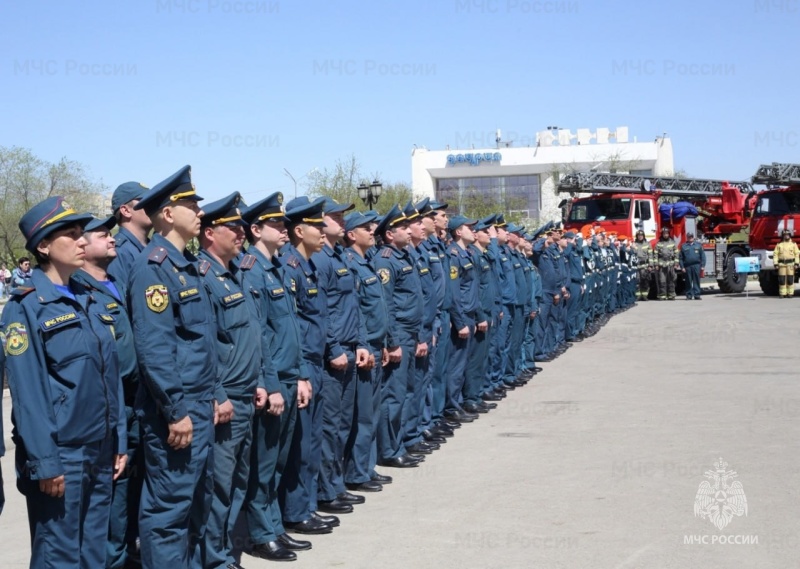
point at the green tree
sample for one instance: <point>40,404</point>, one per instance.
<point>26,179</point>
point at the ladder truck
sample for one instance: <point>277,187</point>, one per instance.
<point>626,203</point>
<point>777,209</point>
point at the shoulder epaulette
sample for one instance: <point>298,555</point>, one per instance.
<point>387,252</point>
<point>247,262</point>
<point>203,267</point>
<point>157,255</point>
<point>453,251</point>
<point>293,261</point>
<point>21,291</point>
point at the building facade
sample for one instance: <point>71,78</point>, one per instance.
<point>524,179</point>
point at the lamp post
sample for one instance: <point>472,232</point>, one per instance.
<point>293,180</point>
<point>370,194</point>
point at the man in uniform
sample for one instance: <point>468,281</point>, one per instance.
<point>100,253</point>
<point>786,256</point>
<point>173,329</point>
<point>134,228</point>
<point>284,379</point>
<point>665,258</point>
<point>239,356</point>
<point>644,263</point>
<point>692,261</point>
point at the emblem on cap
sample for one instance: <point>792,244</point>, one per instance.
<point>279,198</point>
<point>157,298</point>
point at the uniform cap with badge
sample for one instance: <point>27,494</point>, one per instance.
<point>356,219</point>
<point>268,209</point>
<point>410,211</point>
<point>458,220</point>
<point>179,186</point>
<point>303,210</point>
<point>485,223</point>
<point>46,217</point>
<point>96,224</point>
<point>222,212</point>
<point>127,192</point>
<point>392,218</point>
<point>332,206</point>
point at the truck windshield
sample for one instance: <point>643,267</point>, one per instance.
<point>600,210</point>
<point>778,203</point>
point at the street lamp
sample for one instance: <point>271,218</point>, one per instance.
<point>285,171</point>
<point>370,194</point>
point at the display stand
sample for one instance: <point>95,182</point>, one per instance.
<point>747,266</point>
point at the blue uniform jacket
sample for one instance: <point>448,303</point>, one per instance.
<point>344,319</point>
<point>508,284</point>
<point>520,285</point>
<point>487,286</point>
<point>575,259</point>
<point>464,279</point>
<point>123,329</point>
<point>370,296</point>
<point>549,272</point>
<point>312,307</point>
<point>536,287</point>
<point>441,249</point>
<point>281,340</point>
<point>429,304</point>
<point>173,329</point>
<point>692,254</point>
<point>401,288</point>
<point>128,249</point>
<point>438,272</point>
<point>62,367</point>
<point>238,330</point>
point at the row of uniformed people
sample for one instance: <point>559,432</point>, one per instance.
<point>315,362</point>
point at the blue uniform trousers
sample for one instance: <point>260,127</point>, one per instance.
<point>178,485</point>
<point>514,343</point>
<point>414,404</point>
<point>426,418</point>
<point>71,531</point>
<point>123,523</point>
<point>439,379</point>
<point>393,395</point>
<point>545,327</point>
<point>692,280</point>
<point>457,366</point>
<point>498,351</point>
<point>528,352</point>
<point>337,420</point>
<point>272,438</point>
<point>573,310</point>
<point>488,372</point>
<point>360,454</point>
<point>298,488</point>
<point>560,313</point>
<point>232,441</point>
<point>477,365</point>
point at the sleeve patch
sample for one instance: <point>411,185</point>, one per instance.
<point>15,339</point>
<point>385,275</point>
<point>453,272</point>
<point>157,298</point>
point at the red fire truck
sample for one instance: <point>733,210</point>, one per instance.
<point>777,209</point>
<point>625,203</point>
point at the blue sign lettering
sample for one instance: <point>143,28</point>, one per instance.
<point>474,159</point>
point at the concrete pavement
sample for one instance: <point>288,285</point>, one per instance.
<point>597,462</point>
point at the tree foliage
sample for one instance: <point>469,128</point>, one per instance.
<point>26,180</point>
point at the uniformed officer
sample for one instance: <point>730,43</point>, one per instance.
<point>665,257</point>
<point>504,274</point>
<point>528,367</point>
<point>345,351</point>
<point>401,287</point>
<point>100,253</point>
<point>644,262</point>
<point>361,458</point>
<point>173,328</point>
<point>298,490</point>
<point>417,389</point>
<point>786,256</point>
<point>68,405</point>
<point>240,367</point>
<point>134,229</point>
<point>575,286</point>
<point>692,259</point>
<point>283,382</point>
<point>516,310</point>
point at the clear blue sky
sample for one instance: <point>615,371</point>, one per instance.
<point>241,89</point>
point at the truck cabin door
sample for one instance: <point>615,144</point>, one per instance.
<point>644,219</point>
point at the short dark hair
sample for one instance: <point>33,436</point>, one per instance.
<point>23,260</point>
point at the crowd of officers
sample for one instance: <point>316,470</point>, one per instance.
<point>158,395</point>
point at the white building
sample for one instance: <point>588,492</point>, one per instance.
<point>524,178</point>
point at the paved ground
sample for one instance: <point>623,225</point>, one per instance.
<point>597,462</point>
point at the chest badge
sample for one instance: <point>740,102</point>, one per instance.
<point>157,298</point>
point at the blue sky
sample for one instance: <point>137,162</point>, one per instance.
<point>241,89</point>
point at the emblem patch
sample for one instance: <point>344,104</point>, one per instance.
<point>157,298</point>
<point>385,275</point>
<point>453,273</point>
<point>15,339</point>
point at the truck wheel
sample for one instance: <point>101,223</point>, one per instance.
<point>769,282</point>
<point>732,281</point>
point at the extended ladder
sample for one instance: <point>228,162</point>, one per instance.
<point>599,182</point>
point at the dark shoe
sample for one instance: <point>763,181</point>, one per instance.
<point>381,479</point>
<point>487,406</point>
<point>431,437</point>
<point>335,506</point>
<point>508,386</point>
<point>490,396</point>
<point>537,369</point>
<point>349,498</point>
<point>519,383</point>
<point>233,565</point>
<point>459,416</point>
<point>273,551</point>
<point>547,358</point>
<point>405,461</point>
<point>312,526</point>
<point>368,486</point>
<point>332,521</point>
<point>421,448</point>
<point>698,298</point>
<point>449,424</point>
<point>575,339</point>
<point>293,544</point>
<point>442,431</point>
<point>474,408</point>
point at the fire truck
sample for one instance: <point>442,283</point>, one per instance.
<point>777,209</point>
<point>625,203</point>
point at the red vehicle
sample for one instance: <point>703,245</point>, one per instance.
<point>626,203</point>
<point>778,208</point>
